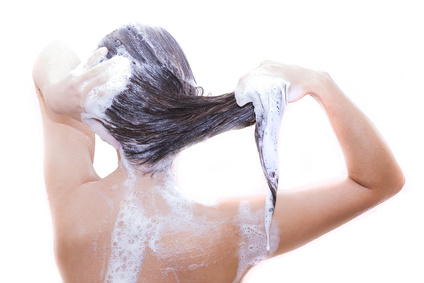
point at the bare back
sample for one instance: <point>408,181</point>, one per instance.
<point>108,232</point>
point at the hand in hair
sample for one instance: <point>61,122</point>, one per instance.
<point>64,81</point>
<point>302,81</point>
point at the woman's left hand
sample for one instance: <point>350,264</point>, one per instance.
<point>64,86</point>
<point>67,96</point>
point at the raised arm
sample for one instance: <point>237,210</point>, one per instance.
<point>69,144</point>
<point>373,174</point>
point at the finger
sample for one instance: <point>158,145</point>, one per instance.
<point>95,71</point>
<point>81,70</point>
<point>119,67</point>
<point>96,57</point>
<point>96,82</point>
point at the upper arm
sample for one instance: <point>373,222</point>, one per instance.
<point>68,151</point>
<point>305,213</point>
<point>68,143</point>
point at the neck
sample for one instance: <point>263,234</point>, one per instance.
<point>146,177</point>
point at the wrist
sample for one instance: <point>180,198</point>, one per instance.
<point>60,101</point>
<point>323,87</point>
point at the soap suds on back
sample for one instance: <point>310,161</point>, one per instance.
<point>252,247</point>
<point>139,230</point>
<point>269,97</point>
<point>145,217</point>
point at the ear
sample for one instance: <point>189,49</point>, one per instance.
<point>101,131</point>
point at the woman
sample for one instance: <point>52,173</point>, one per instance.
<point>134,225</point>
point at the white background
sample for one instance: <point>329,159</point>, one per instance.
<point>373,49</point>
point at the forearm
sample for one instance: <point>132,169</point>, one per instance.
<point>369,160</point>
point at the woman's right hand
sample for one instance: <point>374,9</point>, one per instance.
<point>302,81</point>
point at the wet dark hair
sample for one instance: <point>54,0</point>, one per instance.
<point>162,110</point>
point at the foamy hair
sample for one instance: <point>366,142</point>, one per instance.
<point>269,97</point>
<point>100,98</point>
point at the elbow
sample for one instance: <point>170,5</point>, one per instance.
<point>393,185</point>
<point>384,185</point>
<point>51,61</point>
<point>396,178</point>
<point>398,183</point>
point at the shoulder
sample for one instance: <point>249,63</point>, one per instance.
<point>79,212</point>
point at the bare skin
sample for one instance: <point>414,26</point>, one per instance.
<point>85,207</point>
